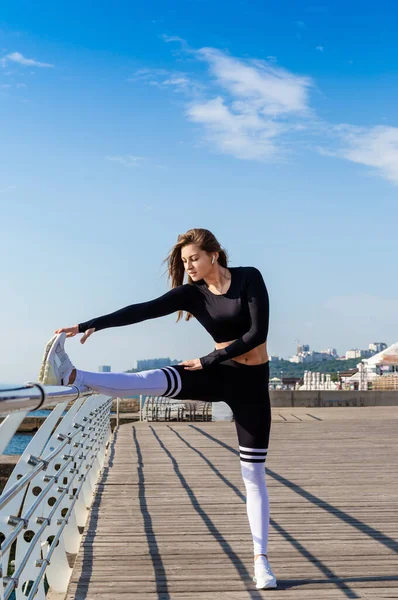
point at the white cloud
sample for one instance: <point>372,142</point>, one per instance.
<point>17,57</point>
<point>271,90</point>
<point>181,81</point>
<point>255,110</point>
<point>182,46</point>
<point>178,80</point>
<point>145,74</point>
<point>173,38</point>
<point>150,76</point>
<point>375,147</point>
<point>325,151</point>
<point>245,136</point>
<point>127,160</point>
<point>260,102</point>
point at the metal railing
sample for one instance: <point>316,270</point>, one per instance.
<point>160,408</point>
<point>44,505</point>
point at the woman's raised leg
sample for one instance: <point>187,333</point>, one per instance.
<point>57,369</point>
<point>156,382</point>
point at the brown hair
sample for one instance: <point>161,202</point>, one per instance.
<point>207,242</point>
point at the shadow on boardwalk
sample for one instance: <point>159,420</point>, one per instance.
<point>169,519</point>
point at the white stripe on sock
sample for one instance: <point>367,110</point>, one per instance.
<point>253,449</point>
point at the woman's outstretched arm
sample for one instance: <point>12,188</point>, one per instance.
<point>179,298</point>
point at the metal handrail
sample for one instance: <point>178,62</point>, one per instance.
<point>34,396</point>
<point>62,463</point>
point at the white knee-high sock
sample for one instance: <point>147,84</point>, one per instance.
<point>257,503</point>
<point>155,382</point>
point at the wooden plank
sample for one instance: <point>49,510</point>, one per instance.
<point>382,594</point>
<point>305,594</point>
<point>169,519</point>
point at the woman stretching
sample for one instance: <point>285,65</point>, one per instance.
<point>232,304</point>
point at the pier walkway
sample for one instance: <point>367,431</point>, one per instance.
<point>169,518</point>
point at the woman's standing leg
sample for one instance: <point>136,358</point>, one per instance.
<point>252,425</point>
<point>257,501</point>
<point>250,404</point>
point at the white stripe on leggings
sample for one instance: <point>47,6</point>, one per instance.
<point>176,378</point>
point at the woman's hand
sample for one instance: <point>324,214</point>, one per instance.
<point>192,365</point>
<point>72,331</point>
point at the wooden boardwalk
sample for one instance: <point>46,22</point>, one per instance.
<point>169,520</point>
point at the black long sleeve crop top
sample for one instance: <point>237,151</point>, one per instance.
<point>241,314</point>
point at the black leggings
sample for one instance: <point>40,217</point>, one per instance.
<point>243,387</point>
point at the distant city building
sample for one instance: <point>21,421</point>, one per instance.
<point>331,351</point>
<point>155,363</point>
<point>355,353</point>
<point>301,354</point>
<point>301,348</point>
<point>297,358</point>
<point>321,356</point>
<point>274,358</point>
<point>104,368</point>
<point>305,355</point>
<point>377,347</point>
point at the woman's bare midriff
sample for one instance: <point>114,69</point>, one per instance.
<point>257,356</point>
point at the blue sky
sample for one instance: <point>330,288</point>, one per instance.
<point>274,125</point>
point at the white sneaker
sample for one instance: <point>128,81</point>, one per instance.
<point>56,366</point>
<point>45,355</point>
<point>263,575</point>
